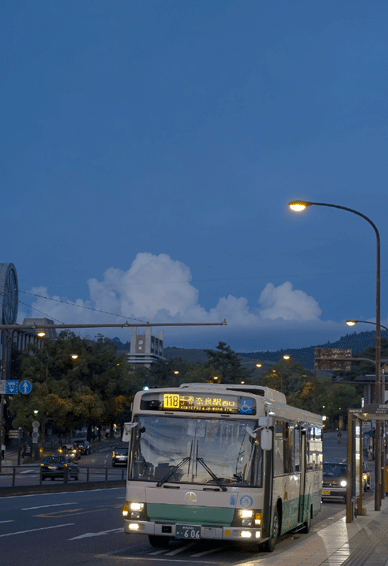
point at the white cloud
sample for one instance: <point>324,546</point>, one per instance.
<point>158,289</point>
<point>283,302</point>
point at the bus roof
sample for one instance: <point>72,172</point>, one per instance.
<point>252,389</point>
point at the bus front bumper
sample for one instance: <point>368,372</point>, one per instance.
<point>192,532</point>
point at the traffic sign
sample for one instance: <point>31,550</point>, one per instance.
<point>14,433</point>
<point>25,387</point>
<point>35,434</point>
<point>36,424</point>
<point>11,386</point>
<point>34,441</point>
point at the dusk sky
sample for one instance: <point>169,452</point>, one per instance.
<point>149,150</point>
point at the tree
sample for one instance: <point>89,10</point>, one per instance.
<point>227,363</point>
<point>93,389</point>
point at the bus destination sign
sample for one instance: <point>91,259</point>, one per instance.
<point>207,403</point>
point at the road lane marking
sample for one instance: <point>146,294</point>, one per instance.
<point>78,511</point>
<point>181,549</point>
<point>53,505</point>
<point>35,530</point>
<point>207,552</point>
<point>101,533</point>
<point>9,521</point>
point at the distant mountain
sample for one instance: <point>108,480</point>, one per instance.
<point>357,342</point>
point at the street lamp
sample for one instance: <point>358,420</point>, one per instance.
<point>299,206</point>
<point>354,322</point>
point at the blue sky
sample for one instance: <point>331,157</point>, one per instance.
<point>149,150</point>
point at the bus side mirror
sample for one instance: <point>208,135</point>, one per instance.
<point>266,439</point>
<point>127,431</point>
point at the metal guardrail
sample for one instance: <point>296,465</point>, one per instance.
<point>88,474</point>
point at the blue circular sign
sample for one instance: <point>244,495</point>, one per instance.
<point>25,387</point>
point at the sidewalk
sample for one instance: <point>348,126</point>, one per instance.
<point>362,542</point>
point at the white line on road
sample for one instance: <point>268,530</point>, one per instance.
<point>9,521</point>
<point>34,530</point>
<point>181,549</point>
<point>207,551</point>
<point>87,535</point>
<point>53,505</point>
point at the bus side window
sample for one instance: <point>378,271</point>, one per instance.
<point>297,439</point>
<point>278,449</point>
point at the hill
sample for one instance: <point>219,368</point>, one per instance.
<point>357,342</point>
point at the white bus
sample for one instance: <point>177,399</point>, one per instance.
<point>221,462</point>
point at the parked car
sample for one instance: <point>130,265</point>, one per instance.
<point>70,450</point>
<point>57,466</point>
<point>335,479</point>
<point>120,456</point>
<point>365,476</point>
<point>83,446</point>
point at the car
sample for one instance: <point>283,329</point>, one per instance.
<point>365,477</point>
<point>83,446</point>
<point>335,480</point>
<point>70,450</point>
<point>58,466</point>
<point>120,456</point>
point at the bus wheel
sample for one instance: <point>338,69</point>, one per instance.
<point>158,541</point>
<point>307,525</point>
<point>271,542</point>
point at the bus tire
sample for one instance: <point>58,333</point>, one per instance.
<point>307,525</point>
<point>160,542</point>
<point>270,544</point>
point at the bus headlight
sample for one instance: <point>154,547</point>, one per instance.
<point>343,483</point>
<point>136,506</point>
<point>246,534</point>
<point>248,518</point>
<point>135,510</point>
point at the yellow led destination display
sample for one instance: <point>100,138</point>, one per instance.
<point>205,402</point>
<point>209,403</point>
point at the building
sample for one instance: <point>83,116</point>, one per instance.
<point>145,349</point>
<point>369,381</point>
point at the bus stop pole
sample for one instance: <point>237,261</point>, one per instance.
<point>349,514</point>
<point>360,473</point>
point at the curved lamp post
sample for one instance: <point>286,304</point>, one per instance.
<point>299,206</point>
<point>354,322</point>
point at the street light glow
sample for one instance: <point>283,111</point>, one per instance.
<point>298,205</point>
<point>351,322</point>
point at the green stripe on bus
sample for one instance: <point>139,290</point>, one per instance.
<point>190,514</point>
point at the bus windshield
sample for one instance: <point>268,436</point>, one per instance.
<point>199,451</point>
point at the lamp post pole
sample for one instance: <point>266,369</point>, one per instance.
<point>298,206</point>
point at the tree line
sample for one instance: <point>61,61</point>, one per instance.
<point>97,387</point>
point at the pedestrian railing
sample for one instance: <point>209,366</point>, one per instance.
<point>29,475</point>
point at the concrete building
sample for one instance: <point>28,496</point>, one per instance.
<point>145,348</point>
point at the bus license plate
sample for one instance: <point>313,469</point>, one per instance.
<point>188,532</point>
<point>325,492</point>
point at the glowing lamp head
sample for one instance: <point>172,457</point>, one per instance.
<point>298,205</point>
<point>350,322</point>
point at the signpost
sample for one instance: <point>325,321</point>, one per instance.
<point>338,359</point>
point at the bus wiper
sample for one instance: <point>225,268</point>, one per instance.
<point>212,474</point>
<point>173,470</point>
